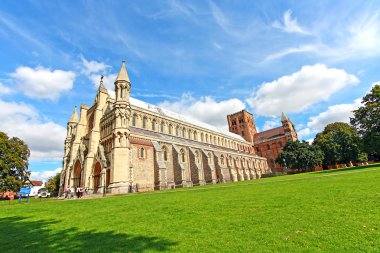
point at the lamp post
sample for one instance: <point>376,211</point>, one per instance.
<point>104,170</point>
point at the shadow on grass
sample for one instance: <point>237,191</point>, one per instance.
<point>21,235</point>
<point>348,169</point>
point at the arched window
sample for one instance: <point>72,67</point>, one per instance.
<point>222,159</point>
<point>201,137</point>
<point>206,138</point>
<point>165,153</point>
<point>170,129</point>
<point>215,140</point>
<point>176,131</point>
<point>195,136</point>
<point>268,147</point>
<point>183,132</point>
<point>189,134</point>
<point>134,120</point>
<point>182,155</point>
<point>162,127</point>
<point>154,125</point>
<point>142,153</point>
<point>144,122</point>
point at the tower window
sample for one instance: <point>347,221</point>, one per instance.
<point>268,147</point>
<point>134,120</point>
<point>142,153</point>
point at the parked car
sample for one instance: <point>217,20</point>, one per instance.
<point>43,193</point>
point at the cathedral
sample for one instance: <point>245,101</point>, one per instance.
<point>121,144</point>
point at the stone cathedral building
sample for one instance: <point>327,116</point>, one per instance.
<point>126,144</point>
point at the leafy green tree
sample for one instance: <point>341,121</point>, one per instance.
<point>367,122</point>
<point>300,156</point>
<point>53,184</point>
<point>340,143</point>
<point>14,154</point>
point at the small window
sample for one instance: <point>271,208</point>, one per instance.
<point>144,123</point>
<point>170,129</point>
<point>165,153</point>
<point>268,147</point>
<point>153,125</point>
<point>176,131</point>
<point>134,120</point>
<point>195,136</point>
<point>183,155</point>
<point>142,153</point>
<point>162,127</point>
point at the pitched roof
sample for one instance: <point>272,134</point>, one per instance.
<point>37,183</point>
<point>274,132</point>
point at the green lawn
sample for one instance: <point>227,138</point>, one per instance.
<point>330,211</point>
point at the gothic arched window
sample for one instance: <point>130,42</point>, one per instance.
<point>134,120</point>
<point>154,125</point>
<point>170,129</point>
<point>162,127</point>
<point>165,153</point>
<point>144,122</point>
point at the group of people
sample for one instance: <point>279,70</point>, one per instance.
<point>78,191</point>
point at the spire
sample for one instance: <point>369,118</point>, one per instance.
<point>283,117</point>
<point>74,116</point>
<point>123,75</point>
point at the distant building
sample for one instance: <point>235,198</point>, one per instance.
<point>35,186</point>
<point>124,145</point>
<point>269,143</point>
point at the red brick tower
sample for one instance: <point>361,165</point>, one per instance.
<point>243,124</point>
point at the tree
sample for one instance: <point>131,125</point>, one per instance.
<point>300,156</point>
<point>340,143</point>
<point>367,122</point>
<point>14,155</point>
<point>53,184</point>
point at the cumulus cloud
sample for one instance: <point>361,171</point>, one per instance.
<point>108,80</point>
<point>44,175</point>
<point>289,24</point>
<point>44,138</point>
<point>4,90</point>
<point>335,113</point>
<point>300,90</point>
<point>206,109</point>
<point>269,124</point>
<point>94,69</point>
<point>43,83</point>
<point>90,67</point>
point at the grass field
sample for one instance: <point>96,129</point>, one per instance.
<point>329,211</point>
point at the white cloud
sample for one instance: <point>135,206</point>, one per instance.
<point>4,90</point>
<point>289,24</point>
<point>44,175</point>
<point>269,124</point>
<point>94,69</point>
<point>304,133</point>
<point>300,90</point>
<point>43,83</point>
<point>335,113</point>
<point>206,109</point>
<point>91,67</point>
<point>108,80</point>
<point>293,50</point>
<point>45,139</point>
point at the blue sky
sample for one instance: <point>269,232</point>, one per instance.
<point>206,59</point>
